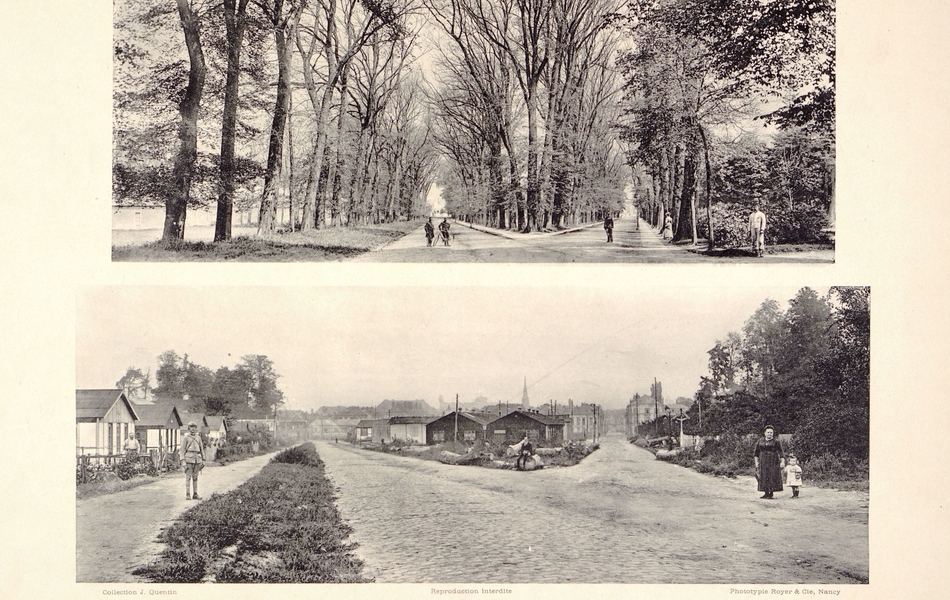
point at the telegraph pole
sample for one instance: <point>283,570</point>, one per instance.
<point>456,417</point>
<point>656,411</point>
<point>594,407</point>
<point>636,419</point>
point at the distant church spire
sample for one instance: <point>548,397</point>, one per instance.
<point>524,394</point>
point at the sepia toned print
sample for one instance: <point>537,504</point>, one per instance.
<point>588,131</point>
<point>447,435</point>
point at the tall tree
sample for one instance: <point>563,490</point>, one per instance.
<point>183,171</point>
<point>284,19</point>
<point>231,391</point>
<point>135,383</point>
<point>170,376</point>
<point>522,29</point>
<point>361,22</point>
<point>235,21</point>
<point>264,393</point>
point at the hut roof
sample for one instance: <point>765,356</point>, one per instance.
<point>158,415</point>
<point>94,404</point>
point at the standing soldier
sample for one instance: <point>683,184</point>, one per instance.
<point>609,227</point>
<point>194,457</point>
<point>444,230</point>
<point>757,230</point>
<point>430,232</point>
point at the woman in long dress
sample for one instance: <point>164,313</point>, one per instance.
<point>667,228</point>
<point>769,462</point>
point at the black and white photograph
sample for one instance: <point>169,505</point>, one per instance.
<point>502,131</point>
<point>452,436</point>
<point>421,299</point>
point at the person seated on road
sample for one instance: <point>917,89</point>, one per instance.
<point>527,450</point>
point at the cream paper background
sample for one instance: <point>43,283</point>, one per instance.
<point>55,145</point>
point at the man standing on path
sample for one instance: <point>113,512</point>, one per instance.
<point>609,227</point>
<point>444,230</point>
<point>757,230</point>
<point>430,232</point>
<point>194,457</point>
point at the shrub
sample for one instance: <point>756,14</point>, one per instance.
<point>800,224</point>
<point>232,451</point>
<point>831,467</point>
<point>304,454</point>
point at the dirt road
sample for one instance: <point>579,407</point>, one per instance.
<point>619,516</point>
<point>117,533</point>
<point>633,243</point>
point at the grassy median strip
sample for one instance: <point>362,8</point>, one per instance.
<point>281,526</point>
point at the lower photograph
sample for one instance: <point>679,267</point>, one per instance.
<point>473,435</point>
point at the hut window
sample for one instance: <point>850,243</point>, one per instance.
<point>438,436</point>
<point>470,436</point>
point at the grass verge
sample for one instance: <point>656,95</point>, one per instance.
<point>110,486</point>
<point>334,243</point>
<point>280,526</point>
<point>747,253</point>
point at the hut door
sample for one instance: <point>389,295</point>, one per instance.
<point>111,438</point>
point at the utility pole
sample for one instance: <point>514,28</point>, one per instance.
<point>456,417</point>
<point>656,411</point>
<point>594,408</point>
<point>636,420</point>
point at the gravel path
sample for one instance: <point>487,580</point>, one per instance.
<point>117,533</point>
<point>619,516</point>
<point>631,244</point>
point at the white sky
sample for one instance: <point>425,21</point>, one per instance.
<point>363,345</point>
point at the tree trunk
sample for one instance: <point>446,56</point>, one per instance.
<point>677,189</point>
<point>709,220</point>
<point>336,179</point>
<point>688,189</point>
<point>235,20</point>
<point>183,171</point>
<point>275,150</point>
<point>312,210</point>
<point>663,206</point>
<point>533,195</point>
<point>290,161</point>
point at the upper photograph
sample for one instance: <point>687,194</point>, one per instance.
<point>512,131</point>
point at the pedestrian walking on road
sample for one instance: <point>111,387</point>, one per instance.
<point>609,228</point>
<point>793,475</point>
<point>444,230</point>
<point>769,462</point>
<point>667,232</point>
<point>430,232</point>
<point>757,230</point>
<point>193,453</point>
